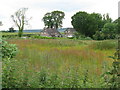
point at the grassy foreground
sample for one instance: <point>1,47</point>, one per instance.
<point>56,63</point>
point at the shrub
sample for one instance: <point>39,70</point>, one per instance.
<point>8,74</point>
<point>41,37</point>
<point>112,76</point>
<point>99,36</point>
<point>81,37</point>
<point>8,50</point>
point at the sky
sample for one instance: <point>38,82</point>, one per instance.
<point>37,9</point>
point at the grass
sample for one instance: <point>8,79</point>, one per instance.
<point>106,45</point>
<point>60,53</point>
<point>64,57</point>
<point>16,33</point>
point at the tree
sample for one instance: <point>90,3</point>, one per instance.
<point>98,20</point>
<point>79,20</point>
<point>11,29</point>
<point>48,21</point>
<point>58,16</point>
<point>110,30</point>
<point>106,18</point>
<point>53,19</point>
<point>20,20</point>
<point>86,24</point>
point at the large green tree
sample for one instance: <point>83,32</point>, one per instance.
<point>98,20</point>
<point>20,20</point>
<point>53,19</point>
<point>48,21</point>
<point>87,24</point>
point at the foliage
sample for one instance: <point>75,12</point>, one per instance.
<point>20,20</point>
<point>98,19</point>
<point>99,36</point>
<point>94,25</point>
<point>78,20</point>
<point>87,24</point>
<point>8,50</point>
<point>41,37</point>
<point>109,31</point>
<point>8,78</point>
<point>11,29</point>
<point>81,37</point>
<point>106,18</point>
<point>112,77</point>
<point>57,63</point>
<point>53,19</point>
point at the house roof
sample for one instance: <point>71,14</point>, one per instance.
<point>51,32</point>
<point>70,29</point>
<point>69,32</point>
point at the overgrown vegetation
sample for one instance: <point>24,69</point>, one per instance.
<point>95,25</point>
<point>106,45</point>
<point>112,77</point>
<point>34,61</point>
<point>57,63</point>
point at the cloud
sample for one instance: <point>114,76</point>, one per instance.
<point>37,9</point>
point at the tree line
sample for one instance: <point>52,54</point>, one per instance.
<point>94,25</point>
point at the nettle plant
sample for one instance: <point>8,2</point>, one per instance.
<point>8,50</point>
<point>113,75</point>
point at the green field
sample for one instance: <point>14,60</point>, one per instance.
<point>16,33</point>
<point>63,63</point>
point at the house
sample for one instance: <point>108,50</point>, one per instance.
<point>50,32</point>
<point>69,32</point>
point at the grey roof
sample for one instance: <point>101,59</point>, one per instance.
<point>51,32</point>
<point>70,29</point>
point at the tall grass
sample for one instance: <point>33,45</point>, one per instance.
<point>104,45</point>
<point>60,63</point>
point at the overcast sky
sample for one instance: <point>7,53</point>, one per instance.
<point>37,9</point>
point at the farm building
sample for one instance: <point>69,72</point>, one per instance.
<point>51,32</point>
<point>69,32</point>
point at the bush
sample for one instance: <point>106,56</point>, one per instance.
<point>41,37</point>
<point>98,36</point>
<point>81,37</point>
<point>112,76</point>
<point>8,50</point>
<point>85,38</point>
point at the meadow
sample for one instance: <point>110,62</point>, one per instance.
<point>61,63</point>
